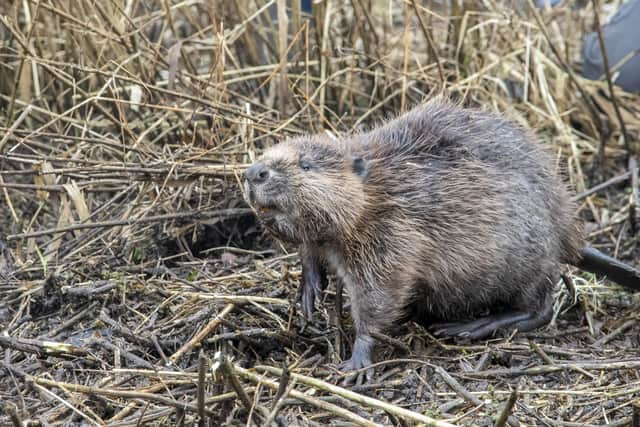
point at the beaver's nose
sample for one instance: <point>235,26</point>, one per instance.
<point>258,173</point>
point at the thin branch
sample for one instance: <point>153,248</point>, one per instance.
<point>222,213</point>
<point>605,60</point>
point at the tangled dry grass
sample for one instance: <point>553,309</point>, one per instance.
<point>137,288</point>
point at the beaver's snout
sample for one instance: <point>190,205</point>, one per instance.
<point>258,194</point>
<point>258,173</point>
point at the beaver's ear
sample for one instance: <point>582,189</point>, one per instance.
<point>359,166</point>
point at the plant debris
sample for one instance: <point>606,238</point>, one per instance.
<point>136,286</point>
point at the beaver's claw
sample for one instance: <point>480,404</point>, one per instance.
<point>314,281</point>
<point>360,358</point>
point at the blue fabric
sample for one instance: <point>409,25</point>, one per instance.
<point>542,3</point>
<point>621,37</point>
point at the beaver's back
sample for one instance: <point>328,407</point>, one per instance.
<point>484,198</point>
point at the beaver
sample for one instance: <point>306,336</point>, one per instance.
<point>453,216</point>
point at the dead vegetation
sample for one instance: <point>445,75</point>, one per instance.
<point>136,287</point>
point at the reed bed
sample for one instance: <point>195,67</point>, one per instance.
<point>136,287</point>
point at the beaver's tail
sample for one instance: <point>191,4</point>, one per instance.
<point>594,261</point>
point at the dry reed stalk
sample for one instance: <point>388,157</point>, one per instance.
<point>283,24</point>
<point>364,400</point>
<point>204,332</point>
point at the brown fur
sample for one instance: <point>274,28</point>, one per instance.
<point>441,214</point>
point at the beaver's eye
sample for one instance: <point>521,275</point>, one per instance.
<point>305,165</point>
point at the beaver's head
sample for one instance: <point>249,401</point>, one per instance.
<point>307,189</point>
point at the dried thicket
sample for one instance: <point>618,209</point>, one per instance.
<point>136,286</point>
